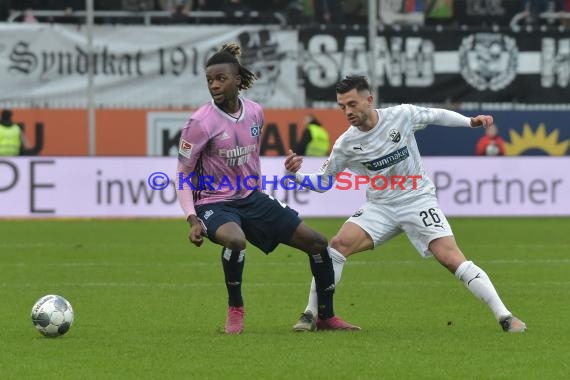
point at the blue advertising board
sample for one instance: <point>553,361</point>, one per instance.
<point>526,133</point>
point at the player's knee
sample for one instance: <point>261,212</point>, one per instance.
<point>320,242</point>
<point>235,243</point>
<point>340,244</point>
<point>450,256</point>
<point>315,244</point>
<point>308,240</point>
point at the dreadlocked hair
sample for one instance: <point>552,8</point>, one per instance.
<point>230,53</point>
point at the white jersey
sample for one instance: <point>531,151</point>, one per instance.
<point>388,154</point>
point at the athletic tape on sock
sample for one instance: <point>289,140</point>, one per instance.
<point>228,254</point>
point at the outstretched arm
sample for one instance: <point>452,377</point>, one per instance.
<point>293,163</point>
<point>447,118</point>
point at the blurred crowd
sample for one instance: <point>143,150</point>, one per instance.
<point>403,12</point>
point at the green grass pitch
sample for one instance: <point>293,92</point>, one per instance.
<point>148,305</point>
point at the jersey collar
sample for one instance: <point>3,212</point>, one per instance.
<point>227,115</point>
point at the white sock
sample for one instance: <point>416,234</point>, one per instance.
<point>338,261</point>
<point>478,282</point>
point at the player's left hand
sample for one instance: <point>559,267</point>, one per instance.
<point>481,121</point>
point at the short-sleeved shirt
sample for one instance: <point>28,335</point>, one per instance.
<point>222,151</point>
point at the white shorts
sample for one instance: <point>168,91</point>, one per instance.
<point>420,217</point>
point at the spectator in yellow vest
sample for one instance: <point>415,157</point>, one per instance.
<point>315,140</point>
<point>12,141</point>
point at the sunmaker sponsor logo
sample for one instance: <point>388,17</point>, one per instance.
<point>387,160</point>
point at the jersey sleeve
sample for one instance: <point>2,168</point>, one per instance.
<point>184,195</point>
<point>192,142</point>
<point>328,171</point>
<point>336,161</point>
<point>422,116</point>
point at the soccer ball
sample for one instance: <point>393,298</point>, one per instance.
<point>52,315</point>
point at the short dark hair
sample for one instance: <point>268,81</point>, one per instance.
<point>229,53</point>
<point>351,82</point>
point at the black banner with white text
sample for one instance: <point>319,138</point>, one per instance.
<point>441,65</point>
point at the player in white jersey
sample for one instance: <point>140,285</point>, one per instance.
<point>380,147</point>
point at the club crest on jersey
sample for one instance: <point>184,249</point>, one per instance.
<point>185,148</point>
<point>394,135</point>
<point>358,212</point>
<point>324,165</point>
<point>255,130</point>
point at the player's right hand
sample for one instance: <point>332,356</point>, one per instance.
<point>293,162</point>
<point>197,234</point>
<point>197,230</point>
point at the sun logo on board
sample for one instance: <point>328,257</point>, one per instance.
<point>529,140</point>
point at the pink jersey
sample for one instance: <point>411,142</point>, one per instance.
<point>219,152</point>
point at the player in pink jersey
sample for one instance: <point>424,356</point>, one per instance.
<point>219,148</point>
